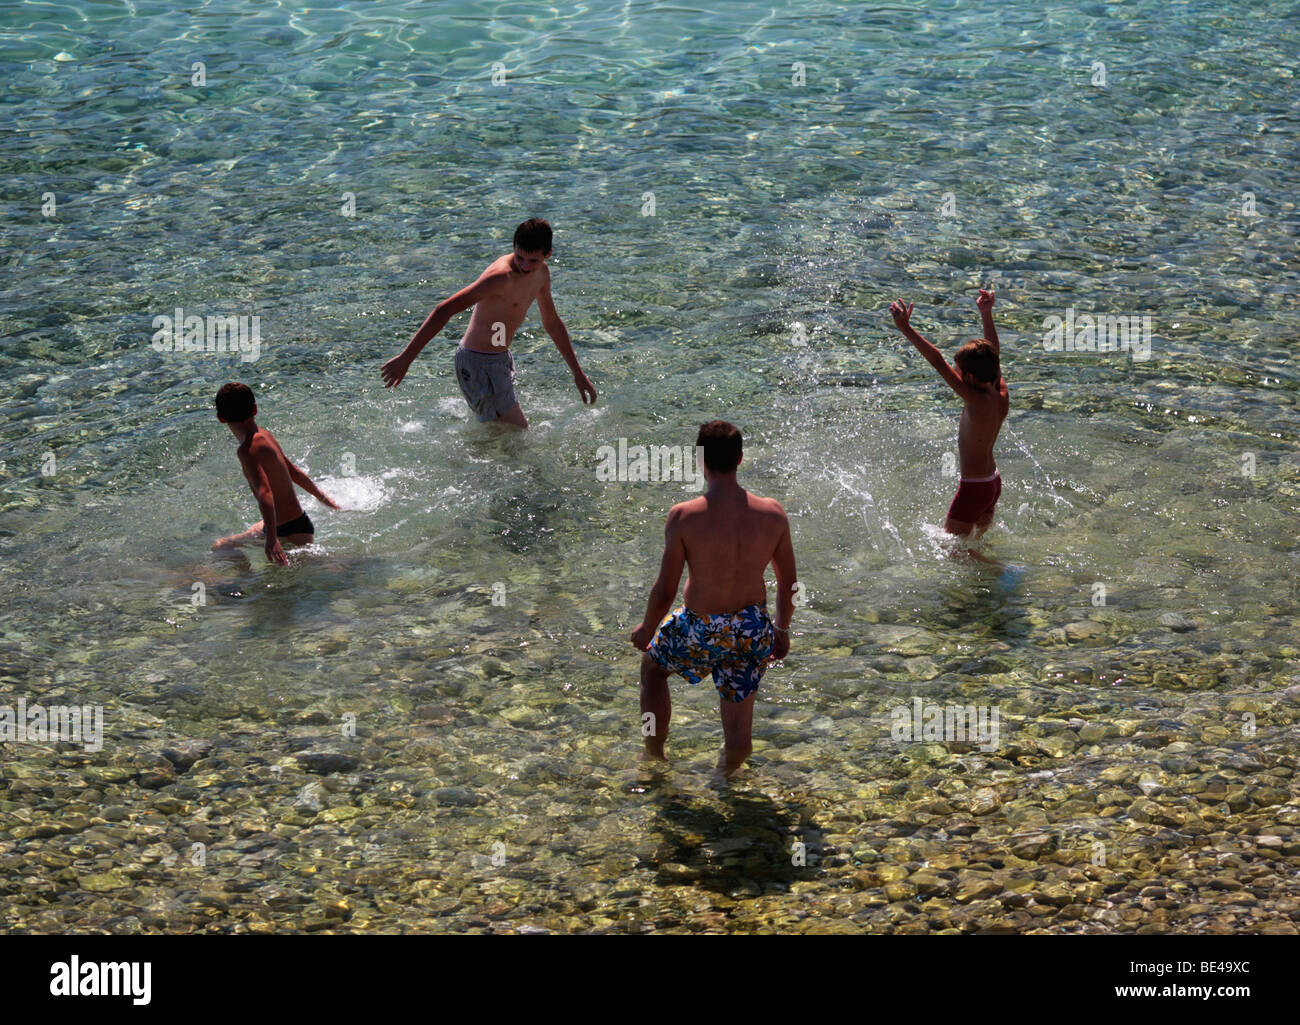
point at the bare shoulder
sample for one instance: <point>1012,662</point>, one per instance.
<point>683,511</point>
<point>768,505</point>
<point>496,272</point>
<point>264,448</point>
<point>253,456</point>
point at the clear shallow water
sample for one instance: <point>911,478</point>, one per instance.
<point>774,204</point>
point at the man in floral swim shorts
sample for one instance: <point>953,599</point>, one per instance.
<point>727,537</point>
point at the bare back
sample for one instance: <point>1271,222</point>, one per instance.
<point>509,294</point>
<point>982,416</point>
<point>729,540</point>
<point>264,452</point>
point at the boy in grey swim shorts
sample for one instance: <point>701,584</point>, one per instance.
<point>487,380</point>
<point>485,369</point>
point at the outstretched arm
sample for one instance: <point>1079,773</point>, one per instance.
<point>560,336</point>
<point>305,482</point>
<point>665,587</point>
<point>395,369</point>
<point>985,303</point>
<point>902,313</point>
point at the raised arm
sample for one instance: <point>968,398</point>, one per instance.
<point>786,583</point>
<point>665,586</point>
<point>395,369</point>
<point>985,304</point>
<point>902,313</point>
<point>560,336</point>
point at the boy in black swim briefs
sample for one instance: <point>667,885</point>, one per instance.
<point>270,475</point>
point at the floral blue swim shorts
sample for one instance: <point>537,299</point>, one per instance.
<point>734,646</point>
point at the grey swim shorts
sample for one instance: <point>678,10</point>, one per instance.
<point>487,379</point>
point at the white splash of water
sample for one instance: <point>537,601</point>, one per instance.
<point>355,494</point>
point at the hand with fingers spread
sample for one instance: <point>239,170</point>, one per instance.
<point>902,313</point>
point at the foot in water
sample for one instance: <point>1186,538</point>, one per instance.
<point>981,558</point>
<point>648,774</point>
<point>1011,577</point>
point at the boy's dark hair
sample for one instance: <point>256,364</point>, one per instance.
<point>534,236</point>
<point>722,446</point>
<point>235,402</point>
<point>979,359</point>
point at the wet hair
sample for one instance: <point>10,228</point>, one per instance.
<point>722,446</point>
<point>979,359</point>
<point>235,402</point>
<point>534,236</point>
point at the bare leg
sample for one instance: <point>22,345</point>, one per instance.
<point>974,531</point>
<point>658,702</point>
<point>958,527</point>
<point>737,724</point>
<point>257,533</point>
<point>514,416</point>
<point>253,533</point>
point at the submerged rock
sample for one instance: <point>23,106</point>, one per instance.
<point>327,761</point>
<point>185,754</point>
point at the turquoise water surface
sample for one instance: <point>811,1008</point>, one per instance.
<point>737,195</point>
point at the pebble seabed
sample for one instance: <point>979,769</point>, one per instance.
<point>470,800</point>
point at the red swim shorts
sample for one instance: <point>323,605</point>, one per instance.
<point>975,498</point>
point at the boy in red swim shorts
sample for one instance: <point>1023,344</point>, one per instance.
<point>978,380</point>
